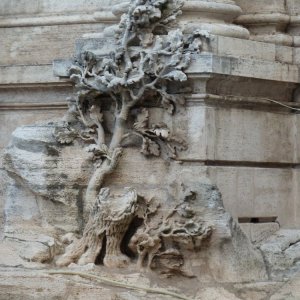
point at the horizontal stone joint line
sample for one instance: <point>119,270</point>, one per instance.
<point>252,164</point>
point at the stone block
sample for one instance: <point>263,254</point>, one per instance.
<point>258,6</point>
<point>259,136</point>
<point>284,54</point>
<point>41,44</point>
<point>213,134</point>
<point>26,75</point>
<point>36,7</point>
<point>295,214</point>
<point>34,98</point>
<point>293,7</point>
<point>257,192</point>
<point>253,68</point>
<point>245,48</point>
<point>296,56</point>
<point>273,194</point>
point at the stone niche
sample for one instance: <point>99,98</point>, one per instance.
<point>171,171</point>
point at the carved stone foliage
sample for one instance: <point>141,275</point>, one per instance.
<point>114,93</point>
<point>117,94</point>
<point>115,89</point>
<point>166,235</point>
<point>158,243</point>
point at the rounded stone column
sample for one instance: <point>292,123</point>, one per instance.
<point>267,20</point>
<point>213,16</point>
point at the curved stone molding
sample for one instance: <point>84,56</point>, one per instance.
<point>294,30</point>
<point>266,20</point>
<point>294,26</point>
<point>213,16</point>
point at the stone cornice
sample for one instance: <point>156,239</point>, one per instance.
<point>272,18</point>
<point>244,67</point>
<point>192,100</point>
<point>29,75</point>
<point>206,63</point>
<point>49,20</point>
<point>33,106</point>
<point>240,102</point>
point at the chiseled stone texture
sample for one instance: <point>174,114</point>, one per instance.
<point>35,160</point>
<point>36,32</point>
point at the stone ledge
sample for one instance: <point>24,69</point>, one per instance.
<point>208,63</point>
<point>33,106</point>
<point>209,100</point>
<point>243,67</point>
<point>48,20</point>
<point>13,8</point>
<point>28,75</point>
<point>241,102</point>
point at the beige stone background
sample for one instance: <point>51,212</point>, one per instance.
<point>245,143</point>
<point>248,146</point>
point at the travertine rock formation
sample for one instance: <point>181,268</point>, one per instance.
<point>121,181</point>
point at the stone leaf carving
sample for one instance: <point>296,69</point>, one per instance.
<point>163,238</point>
<point>110,86</point>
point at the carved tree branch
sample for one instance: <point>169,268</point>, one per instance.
<point>127,75</point>
<point>107,167</point>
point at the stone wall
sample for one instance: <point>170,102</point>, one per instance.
<point>243,140</point>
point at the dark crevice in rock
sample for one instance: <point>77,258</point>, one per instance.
<point>101,255</point>
<point>80,206</point>
<point>136,222</point>
<point>267,265</point>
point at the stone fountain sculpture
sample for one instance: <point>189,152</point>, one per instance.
<point>182,231</point>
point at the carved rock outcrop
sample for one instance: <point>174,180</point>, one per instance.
<point>108,222</point>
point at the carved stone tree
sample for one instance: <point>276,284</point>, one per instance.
<point>148,56</point>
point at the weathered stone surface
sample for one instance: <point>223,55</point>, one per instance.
<point>41,45</point>
<point>30,160</point>
<point>56,182</point>
<point>258,192</point>
<point>259,232</point>
<point>290,290</point>
<point>216,294</point>
<point>265,24</point>
<point>238,137</point>
<point>28,7</point>
<point>213,135</point>
<point>281,251</point>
